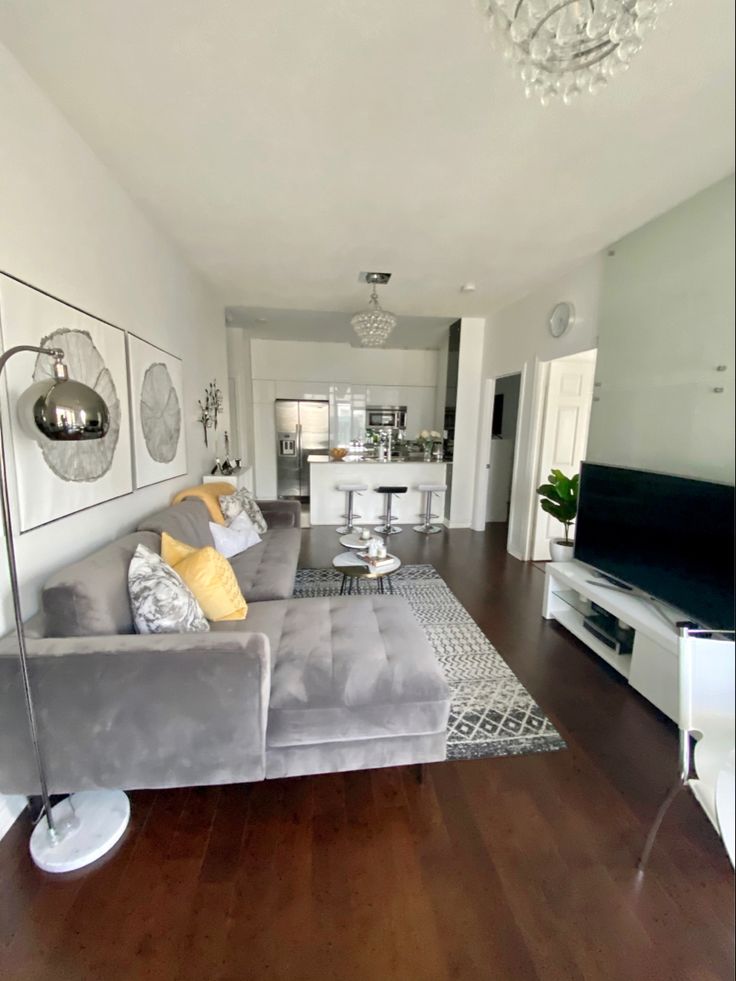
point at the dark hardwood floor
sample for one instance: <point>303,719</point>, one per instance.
<point>515,868</point>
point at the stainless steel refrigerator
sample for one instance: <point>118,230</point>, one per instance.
<point>302,430</point>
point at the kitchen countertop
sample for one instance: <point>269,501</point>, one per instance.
<point>382,463</point>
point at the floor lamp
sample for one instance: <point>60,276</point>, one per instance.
<point>81,828</point>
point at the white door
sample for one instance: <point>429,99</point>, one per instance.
<point>564,434</point>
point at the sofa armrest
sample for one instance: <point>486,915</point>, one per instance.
<point>282,514</point>
<point>138,711</point>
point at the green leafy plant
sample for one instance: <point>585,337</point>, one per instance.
<point>560,498</point>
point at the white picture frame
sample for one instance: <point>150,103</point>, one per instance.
<point>157,413</point>
<point>54,480</point>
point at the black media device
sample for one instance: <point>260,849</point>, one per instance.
<point>671,537</point>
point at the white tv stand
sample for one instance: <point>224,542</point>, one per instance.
<point>652,667</point>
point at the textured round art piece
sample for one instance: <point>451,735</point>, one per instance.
<point>160,413</point>
<point>89,460</point>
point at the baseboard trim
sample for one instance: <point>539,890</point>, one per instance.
<point>10,809</point>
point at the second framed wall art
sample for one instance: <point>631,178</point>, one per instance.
<point>157,411</point>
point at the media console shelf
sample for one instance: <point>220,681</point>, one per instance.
<point>652,666</point>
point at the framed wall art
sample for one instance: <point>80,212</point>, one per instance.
<point>157,411</point>
<point>57,479</point>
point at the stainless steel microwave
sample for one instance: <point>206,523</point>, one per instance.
<point>386,417</point>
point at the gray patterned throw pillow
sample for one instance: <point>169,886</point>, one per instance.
<point>161,602</point>
<point>241,501</point>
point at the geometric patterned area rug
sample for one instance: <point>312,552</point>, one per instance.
<point>491,713</point>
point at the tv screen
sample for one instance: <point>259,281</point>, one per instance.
<point>671,537</point>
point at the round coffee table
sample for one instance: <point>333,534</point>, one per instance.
<point>354,570</point>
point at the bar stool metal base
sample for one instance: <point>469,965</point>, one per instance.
<point>428,529</point>
<point>388,530</point>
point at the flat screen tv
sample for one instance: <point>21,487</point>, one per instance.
<point>671,537</point>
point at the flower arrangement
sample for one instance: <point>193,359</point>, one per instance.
<point>428,437</point>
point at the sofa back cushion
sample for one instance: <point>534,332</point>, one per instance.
<point>90,597</point>
<point>188,521</point>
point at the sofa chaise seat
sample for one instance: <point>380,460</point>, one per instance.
<point>345,672</point>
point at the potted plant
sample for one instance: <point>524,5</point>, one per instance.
<point>560,499</point>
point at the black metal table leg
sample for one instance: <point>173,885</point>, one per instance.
<point>342,584</point>
<point>390,585</point>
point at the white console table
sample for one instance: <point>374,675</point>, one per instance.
<point>243,478</point>
<point>652,667</point>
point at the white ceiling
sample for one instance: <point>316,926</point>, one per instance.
<point>333,325</point>
<point>287,146</point>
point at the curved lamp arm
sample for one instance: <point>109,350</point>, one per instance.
<point>58,356</point>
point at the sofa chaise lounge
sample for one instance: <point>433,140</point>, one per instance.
<point>301,686</point>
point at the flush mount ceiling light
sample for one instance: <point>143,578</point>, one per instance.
<point>374,325</point>
<point>562,48</point>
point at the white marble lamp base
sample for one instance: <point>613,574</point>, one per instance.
<point>88,823</point>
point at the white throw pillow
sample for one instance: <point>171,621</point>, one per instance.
<point>236,537</point>
<point>160,600</point>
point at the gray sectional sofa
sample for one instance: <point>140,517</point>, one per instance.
<point>301,686</point>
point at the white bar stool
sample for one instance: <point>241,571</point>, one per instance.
<point>429,489</point>
<point>350,515</point>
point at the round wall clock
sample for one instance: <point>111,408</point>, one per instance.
<point>561,319</point>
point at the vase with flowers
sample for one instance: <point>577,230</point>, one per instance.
<point>426,440</point>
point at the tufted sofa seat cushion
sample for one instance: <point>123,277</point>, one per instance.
<point>348,668</point>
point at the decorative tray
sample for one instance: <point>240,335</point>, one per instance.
<point>375,563</point>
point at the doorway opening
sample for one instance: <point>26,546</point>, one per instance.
<point>504,421</point>
<point>567,398</point>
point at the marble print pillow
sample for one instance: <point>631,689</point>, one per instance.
<point>241,501</point>
<point>160,601</point>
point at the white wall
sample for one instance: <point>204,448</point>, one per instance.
<point>518,340</point>
<point>468,455</point>
<point>239,370</point>
<point>350,378</point>
<point>68,227</point>
<point>667,321</point>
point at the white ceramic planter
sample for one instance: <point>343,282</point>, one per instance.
<point>561,552</point>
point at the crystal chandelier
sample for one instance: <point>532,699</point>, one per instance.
<point>563,48</point>
<point>374,325</point>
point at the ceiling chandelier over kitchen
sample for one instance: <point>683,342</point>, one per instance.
<point>374,325</point>
<point>563,48</point>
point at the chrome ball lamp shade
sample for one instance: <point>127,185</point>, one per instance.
<point>374,325</point>
<point>61,409</point>
<point>563,48</point>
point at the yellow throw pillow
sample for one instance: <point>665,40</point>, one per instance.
<point>173,551</point>
<point>210,577</point>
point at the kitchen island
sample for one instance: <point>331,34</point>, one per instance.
<point>327,504</point>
